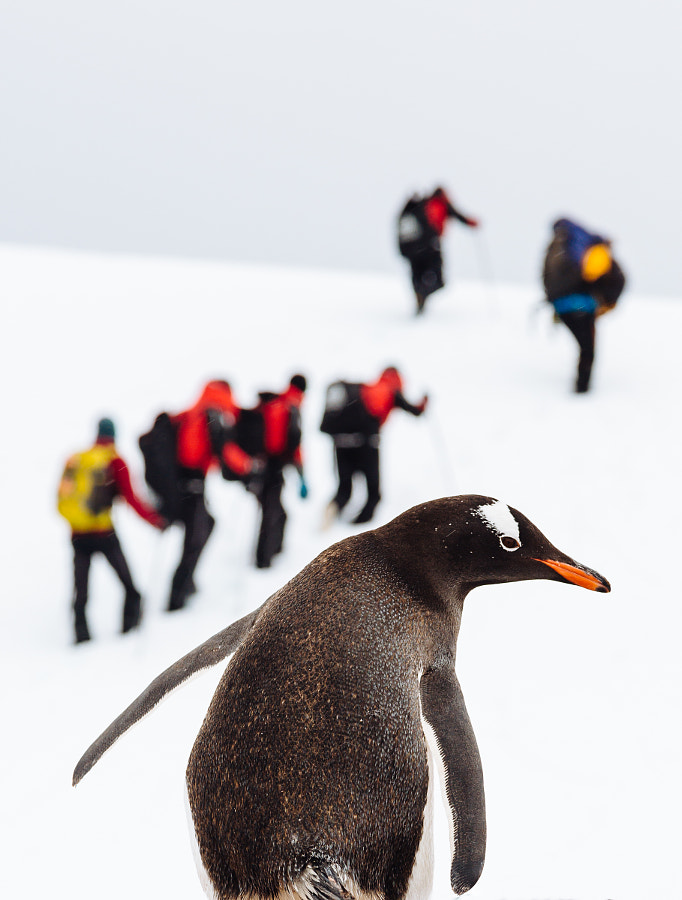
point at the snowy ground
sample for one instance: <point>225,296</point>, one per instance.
<point>574,696</point>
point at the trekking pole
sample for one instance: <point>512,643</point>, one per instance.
<point>485,268</point>
<point>533,314</point>
<point>440,446</point>
<point>153,573</point>
<point>536,310</point>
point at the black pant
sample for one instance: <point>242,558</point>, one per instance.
<point>581,326</point>
<point>84,547</point>
<point>198,524</point>
<point>427,274</point>
<point>273,516</point>
<point>365,460</point>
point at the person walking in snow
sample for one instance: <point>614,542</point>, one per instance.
<point>421,225</point>
<point>90,483</point>
<point>582,281</point>
<point>282,447</point>
<point>205,440</point>
<point>354,415</point>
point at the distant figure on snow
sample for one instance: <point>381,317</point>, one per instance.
<point>420,227</point>
<point>582,281</point>
<point>353,416</point>
<point>90,483</point>
<point>282,447</point>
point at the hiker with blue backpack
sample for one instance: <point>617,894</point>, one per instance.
<point>582,281</point>
<point>90,483</point>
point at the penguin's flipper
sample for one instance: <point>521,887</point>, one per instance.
<point>444,710</point>
<point>210,653</point>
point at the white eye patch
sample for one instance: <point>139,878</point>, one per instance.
<point>499,519</point>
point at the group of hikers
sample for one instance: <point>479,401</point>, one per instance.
<point>252,446</point>
<point>581,278</point>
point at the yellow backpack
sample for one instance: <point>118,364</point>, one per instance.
<point>596,262</point>
<point>87,489</point>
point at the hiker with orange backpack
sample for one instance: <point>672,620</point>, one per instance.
<point>281,448</point>
<point>205,439</point>
<point>421,225</point>
<point>90,483</point>
<point>353,416</point>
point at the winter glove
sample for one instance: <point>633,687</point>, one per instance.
<point>159,522</point>
<point>422,406</point>
<point>303,490</point>
<point>473,223</point>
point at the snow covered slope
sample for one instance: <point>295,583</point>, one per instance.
<point>574,696</point>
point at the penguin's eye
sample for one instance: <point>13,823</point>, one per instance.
<point>509,543</point>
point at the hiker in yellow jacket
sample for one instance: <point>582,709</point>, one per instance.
<point>90,483</point>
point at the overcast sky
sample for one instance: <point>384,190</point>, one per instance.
<point>292,132</point>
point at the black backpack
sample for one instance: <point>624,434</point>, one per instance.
<point>249,432</point>
<point>414,232</point>
<point>344,411</point>
<point>246,432</point>
<point>161,471</point>
<point>104,491</point>
<point>608,288</point>
<point>294,430</point>
<point>561,273</point>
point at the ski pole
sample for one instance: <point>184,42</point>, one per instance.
<point>485,268</point>
<point>538,309</point>
<point>155,561</point>
<point>441,449</point>
<point>533,313</point>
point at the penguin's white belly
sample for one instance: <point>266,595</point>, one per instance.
<point>206,883</point>
<point>421,879</point>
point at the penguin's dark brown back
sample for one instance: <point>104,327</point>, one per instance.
<point>306,751</point>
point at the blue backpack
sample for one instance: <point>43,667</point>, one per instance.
<point>562,273</point>
<point>577,239</point>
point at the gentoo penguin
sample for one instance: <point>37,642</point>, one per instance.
<point>314,771</point>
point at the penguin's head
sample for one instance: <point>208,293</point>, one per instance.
<point>471,540</point>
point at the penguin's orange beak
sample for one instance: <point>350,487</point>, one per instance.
<point>582,577</point>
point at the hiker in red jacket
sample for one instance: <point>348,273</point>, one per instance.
<point>91,481</point>
<point>203,444</point>
<point>282,445</point>
<point>357,450</point>
<point>420,227</point>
